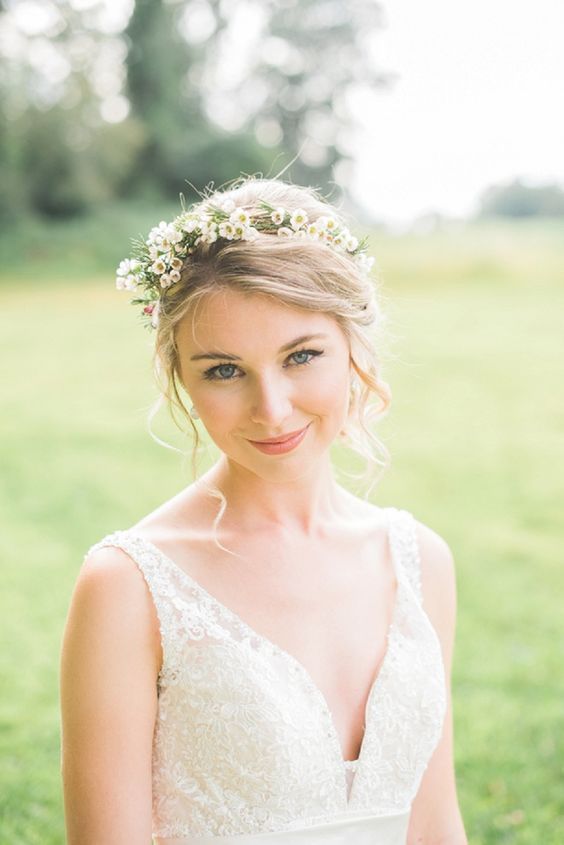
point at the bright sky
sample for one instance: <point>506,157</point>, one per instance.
<point>479,100</point>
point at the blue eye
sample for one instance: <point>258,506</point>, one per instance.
<point>217,373</point>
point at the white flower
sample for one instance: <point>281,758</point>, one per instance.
<point>210,237</point>
<point>190,224</point>
<point>165,280</point>
<point>228,206</point>
<point>240,216</point>
<point>126,266</point>
<point>251,234</point>
<point>158,267</point>
<point>226,230</point>
<point>351,243</point>
<point>239,231</point>
<point>285,232</point>
<point>278,216</point>
<point>153,253</point>
<point>313,230</point>
<point>120,283</point>
<point>339,242</point>
<point>131,282</point>
<point>330,224</point>
<point>174,235</point>
<point>176,263</point>
<point>301,233</point>
<point>174,276</point>
<point>298,219</point>
<point>207,226</point>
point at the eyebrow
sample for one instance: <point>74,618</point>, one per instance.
<point>225,356</point>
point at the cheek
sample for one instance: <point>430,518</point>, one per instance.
<point>328,393</point>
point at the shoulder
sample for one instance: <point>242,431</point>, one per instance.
<point>110,591</point>
<point>438,582</point>
<point>436,558</point>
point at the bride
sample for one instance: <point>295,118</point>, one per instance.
<point>265,657</point>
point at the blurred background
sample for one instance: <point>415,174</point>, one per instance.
<point>439,128</point>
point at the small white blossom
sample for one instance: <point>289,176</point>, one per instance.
<point>285,232</point>
<point>330,224</point>
<point>240,216</point>
<point>278,216</point>
<point>226,230</point>
<point>120,283</point>
<point>165,280</point>
<point>351,243</point>
<point>228,206</point>
<point>210,237</point>
<point>239,231</point>
<point>190,224</point>
<point>251,234</point>
<point>174,276</point>
<point>313,230</point>
<point>126,266</point>
<point>174,235</point>
<point>176,263</point>
<point>158,267</point>
<point>207,226</point>
<point>298,219</point>
<point>131,282</point>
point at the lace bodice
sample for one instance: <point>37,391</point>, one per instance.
<point>244,741</point>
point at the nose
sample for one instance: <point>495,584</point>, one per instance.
<point>271,403</point>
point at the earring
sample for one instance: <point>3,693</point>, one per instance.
<point>194,414</point>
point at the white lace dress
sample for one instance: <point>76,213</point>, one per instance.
<point>245,749</point>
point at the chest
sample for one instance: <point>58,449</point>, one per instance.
<point>328,606</point>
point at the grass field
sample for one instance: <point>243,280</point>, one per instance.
<point>475,432</point>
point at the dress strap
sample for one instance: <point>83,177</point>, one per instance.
<point>405,548</point>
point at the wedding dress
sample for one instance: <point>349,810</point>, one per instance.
<point>245,749</point>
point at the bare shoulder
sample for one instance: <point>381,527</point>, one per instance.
<point>438,584</point>
<point>111,588</point>
<point>437,561</point>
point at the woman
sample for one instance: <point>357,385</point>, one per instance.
<point>265,657</point>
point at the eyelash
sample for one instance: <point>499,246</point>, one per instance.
<point>209,375</point>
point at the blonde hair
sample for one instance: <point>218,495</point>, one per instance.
<point>302,273</point>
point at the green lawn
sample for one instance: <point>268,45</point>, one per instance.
<point>475,433</point>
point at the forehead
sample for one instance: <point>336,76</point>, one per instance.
<point>238,322</point>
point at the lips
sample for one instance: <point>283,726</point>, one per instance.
<point>283,439</point>
<point>281,447</point>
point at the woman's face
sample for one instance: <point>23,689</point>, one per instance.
<point>256,369</point>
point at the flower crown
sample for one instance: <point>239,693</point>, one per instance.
<point>157,262</point>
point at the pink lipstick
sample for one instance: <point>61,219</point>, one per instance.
<point>280,447</point>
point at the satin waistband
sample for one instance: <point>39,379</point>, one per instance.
<point>367,830</point>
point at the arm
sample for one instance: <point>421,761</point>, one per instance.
<point>435,816</point>
<point>110,660</point>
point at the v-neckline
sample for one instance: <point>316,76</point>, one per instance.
<point>293,661</point>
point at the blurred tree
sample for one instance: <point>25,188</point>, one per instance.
<point>517,199</point>
<point>306,62</point>
<point>182,143</point>
<point>59,84</point>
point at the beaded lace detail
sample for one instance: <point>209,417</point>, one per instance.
<point>244,741</point>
